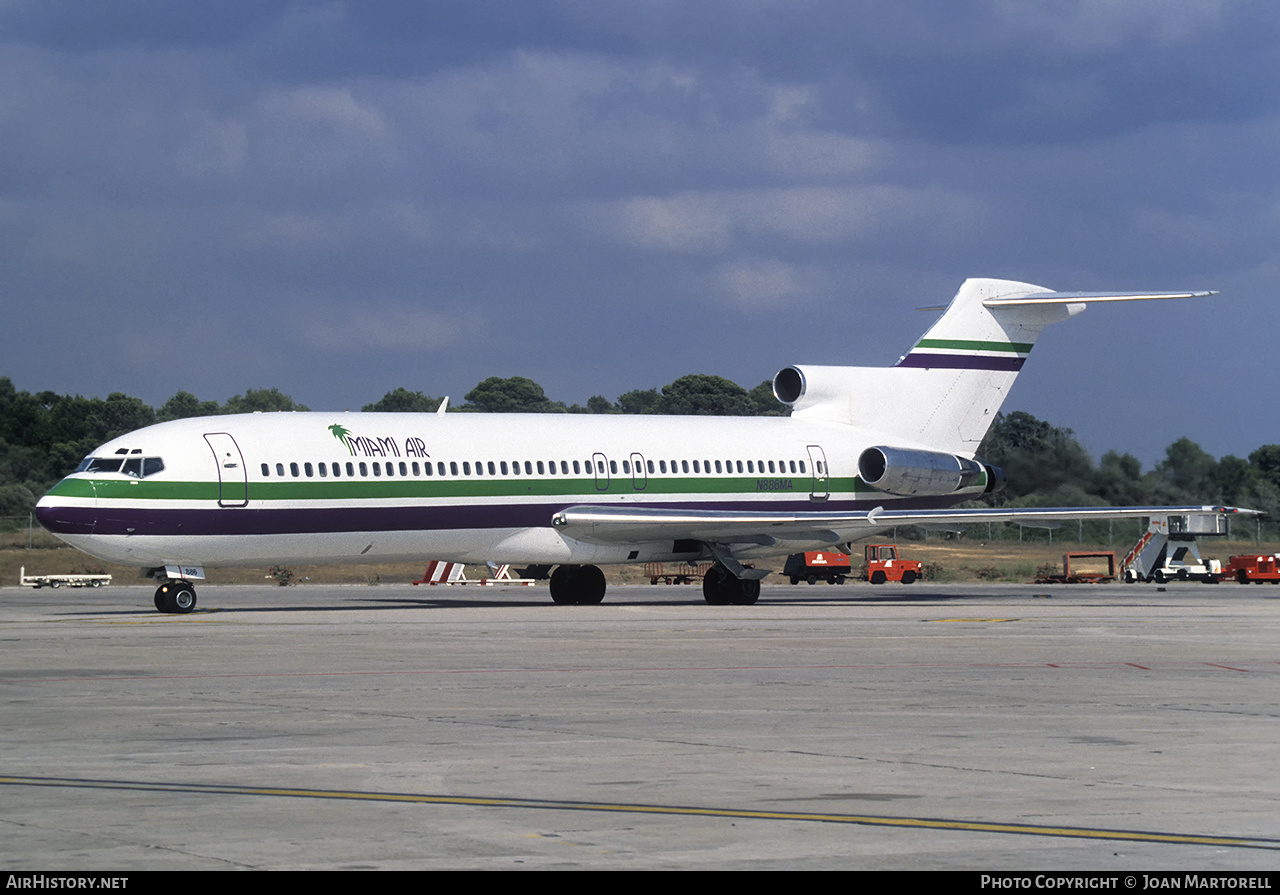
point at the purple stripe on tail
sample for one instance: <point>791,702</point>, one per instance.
<point>962,362</point>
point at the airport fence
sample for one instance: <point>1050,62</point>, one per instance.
<point>27,521</point>
<point>24,532</point>
<point>1117,534</point>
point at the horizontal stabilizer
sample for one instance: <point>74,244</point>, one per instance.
<point>1063,298</point>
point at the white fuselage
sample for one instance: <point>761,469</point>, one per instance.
<point>254,489</point>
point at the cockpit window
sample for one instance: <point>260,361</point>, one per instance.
<point>138,467</point>
<point>100,464</point>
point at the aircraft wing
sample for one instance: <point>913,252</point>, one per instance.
<point>612,525</point>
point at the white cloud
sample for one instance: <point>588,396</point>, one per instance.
<point>335,107</point>
<point>213,148</point>
<point>713,222</point>
<point>764,284</point>
<point>696,222</point>
<point>383,328</point>
<point>343,227</point>
<point>319,132</point>
<point>810,155</point>
<point>1105,24</point>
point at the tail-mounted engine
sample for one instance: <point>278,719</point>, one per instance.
<point>913,473</point>
<point>850,394</point>
<point>803,388</point>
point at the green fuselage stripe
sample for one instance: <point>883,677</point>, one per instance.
<point>977,345</point>
<point>427,489</point>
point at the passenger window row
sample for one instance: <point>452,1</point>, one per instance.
<point>595,466</point>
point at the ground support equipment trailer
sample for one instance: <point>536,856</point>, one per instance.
<point>1072,573</point>
<point>813,566</point>
<point>686,573</point>
<point>817,565</point>
<point>455,573</point>
<point>38,581</point>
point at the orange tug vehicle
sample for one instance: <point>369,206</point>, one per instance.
<point>1251,567</point>
<point>884,565</point>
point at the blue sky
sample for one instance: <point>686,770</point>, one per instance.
<point>338,199</point>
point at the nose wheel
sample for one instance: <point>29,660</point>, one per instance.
<point>177,597</point>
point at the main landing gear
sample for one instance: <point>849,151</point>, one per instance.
<point>721,588</point>
<point>583,585</point>
<point>176,596</point>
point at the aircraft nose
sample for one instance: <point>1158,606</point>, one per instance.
<point>61,517</point>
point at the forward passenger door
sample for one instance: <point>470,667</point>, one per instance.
<point>233,478</point>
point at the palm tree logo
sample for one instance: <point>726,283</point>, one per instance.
<point>341,433</point>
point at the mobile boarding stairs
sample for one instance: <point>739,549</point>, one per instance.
<point>1169,550</point>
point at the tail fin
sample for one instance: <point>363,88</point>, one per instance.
<point>945,392</point>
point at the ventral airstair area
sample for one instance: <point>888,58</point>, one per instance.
<point>1170,550</point>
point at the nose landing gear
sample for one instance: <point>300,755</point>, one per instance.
<point>176,596</point>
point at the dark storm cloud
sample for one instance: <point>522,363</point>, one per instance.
<point>338,199</point>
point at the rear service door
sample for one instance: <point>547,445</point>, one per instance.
<point>820,487</point>
<point>600,464</point>
<point>639,478</point>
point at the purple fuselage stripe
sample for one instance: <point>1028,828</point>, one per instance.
<point>962,362</point>
<point>252,520</point>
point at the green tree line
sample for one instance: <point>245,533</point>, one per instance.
<point>1048,467</point>
<point>43,436</point>
<point>695,395</point>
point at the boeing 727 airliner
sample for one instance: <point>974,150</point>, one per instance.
<point>865,448</point>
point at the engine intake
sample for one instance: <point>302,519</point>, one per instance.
<point>911,473</point>
<point>804,388</point>
<point>789,385</point>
